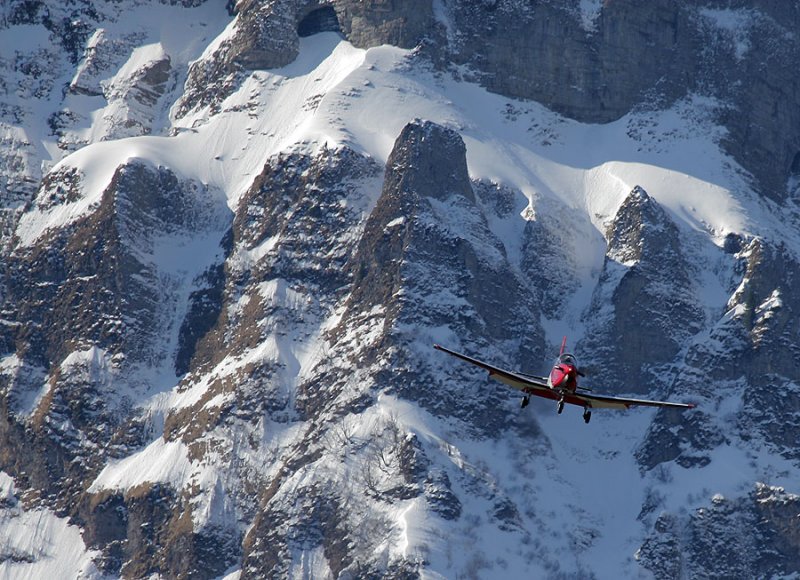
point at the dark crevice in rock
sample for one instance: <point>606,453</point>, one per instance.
<point>795,169</point>
<point>320,20</point>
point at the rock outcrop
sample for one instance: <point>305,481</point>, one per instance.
<point>645,290</point>
<point>99,308</point>
<point>736,538</point>
<point>418,225</point>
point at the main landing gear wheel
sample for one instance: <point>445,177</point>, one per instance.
<point>524,403</point>
<point>587,415</point>
<point>560,407</point>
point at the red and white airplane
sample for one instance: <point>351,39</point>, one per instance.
<point>561,385</point>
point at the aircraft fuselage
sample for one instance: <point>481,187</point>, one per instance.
<point>564,375</point>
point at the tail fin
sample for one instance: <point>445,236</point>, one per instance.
<point>563,346</point>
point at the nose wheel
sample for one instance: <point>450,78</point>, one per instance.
<point>525,401</point>
<point>587,415</point>
<point>560,406</point>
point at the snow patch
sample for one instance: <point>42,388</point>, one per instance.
<point>589,13</point>
<point>736,23</point>
<point>160,462</point>
<point>395,222</point>
<point>245,259</point>
<point>38,544</point>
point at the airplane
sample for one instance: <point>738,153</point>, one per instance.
<point>561,385</point>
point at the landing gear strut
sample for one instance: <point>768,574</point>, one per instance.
<point>525,400</point>
<point>587,415</point>
<point>560,406</point>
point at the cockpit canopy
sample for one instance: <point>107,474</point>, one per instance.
<point>568,359</point>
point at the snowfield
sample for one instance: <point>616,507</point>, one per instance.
<point>335,94</point>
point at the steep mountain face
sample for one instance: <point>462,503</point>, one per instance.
<point>645,288</point>
<point>598,64</point>
<point>97,298</point>
<point>428,218</point>
<point>228,244</point>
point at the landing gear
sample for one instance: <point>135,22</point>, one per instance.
<point>525,400</point>
<point>560,406</point>
<point>587,415</point>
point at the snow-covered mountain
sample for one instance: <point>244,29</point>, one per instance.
<point>231,235</point>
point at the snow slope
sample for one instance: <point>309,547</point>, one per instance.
<point>38,544</point>
<point>334,94</point>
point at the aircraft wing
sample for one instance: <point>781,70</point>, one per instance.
<point>534,385</point>
<point>520,381</point>
<point>604,402</point>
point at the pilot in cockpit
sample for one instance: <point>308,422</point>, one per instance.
<point>568,359</point>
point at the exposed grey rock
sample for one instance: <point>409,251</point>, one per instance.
<point>594,69</point>
<point>319,519</point>
<point>661,553</point>
<point>136,100</point>
<point>685,438</point>
<point>440,496</point>
<point>759,331</point>
<point>594,75</point>
<point>69,23</point>
<point>762,346</point>
<point>763,90</point>
<point>129,528</point>
<point>624,58</point>
<point>205,306</point>
<point>322,19</point>
<point>548,252</point>
<point>19,178</point>
<point>102,267</point>
<point>97,305</point>
<point>750,536</point>
<point>103,55</point>
<point>752,351</point>
<point>628,57</point>
<point>298,200</point>
<point>426,205</point>
<point>307,203</point>
<point>402,23</point>
<point>643,308</point>
<point>266,35</point>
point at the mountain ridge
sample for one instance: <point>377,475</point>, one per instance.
<point>221,281</point>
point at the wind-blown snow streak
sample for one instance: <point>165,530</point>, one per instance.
<point>162,461</point>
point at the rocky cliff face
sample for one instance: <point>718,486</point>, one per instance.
<point>416,227</point>
<point>216,311</point>
<point>99,304</point>
<point>757,524</point>
<point>598,65</point>
<point>645,284</point>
